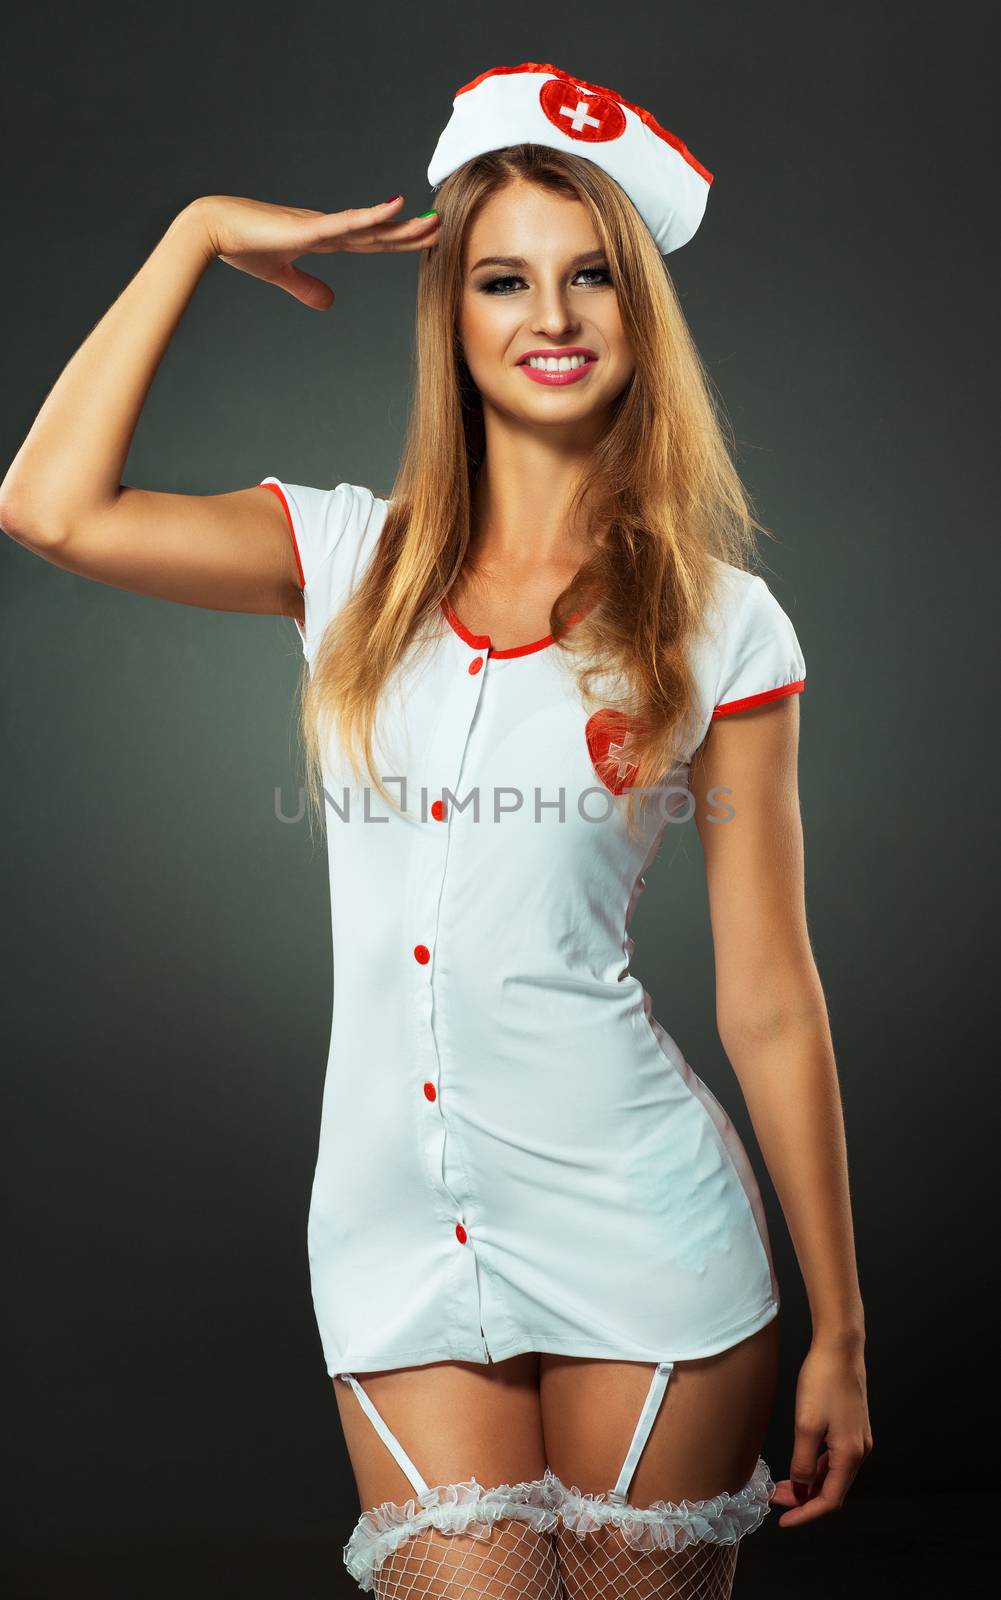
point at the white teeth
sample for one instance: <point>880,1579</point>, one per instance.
<point>552,364</point>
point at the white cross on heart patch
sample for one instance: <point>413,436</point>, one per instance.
<point>605,733</point>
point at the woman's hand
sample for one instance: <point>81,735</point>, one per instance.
<point>264,240</point>
<point>831,1405</point>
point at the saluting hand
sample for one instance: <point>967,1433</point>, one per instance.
<point>264,240</point>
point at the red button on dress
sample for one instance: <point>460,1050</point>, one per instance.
<point>438,811</point>
<point>460,1233</point>
<point>476,664</point>
<point>422,954</point>
<point>430,1091</point>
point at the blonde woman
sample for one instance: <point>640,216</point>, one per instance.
<point>540,1264</point>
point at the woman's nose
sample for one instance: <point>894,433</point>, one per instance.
<point>555,317</point>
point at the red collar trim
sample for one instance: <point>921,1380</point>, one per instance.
<point>481,641</point>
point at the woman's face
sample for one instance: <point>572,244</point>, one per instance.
<point>555,296</point>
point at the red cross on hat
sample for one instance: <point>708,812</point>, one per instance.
<point>581,112</point>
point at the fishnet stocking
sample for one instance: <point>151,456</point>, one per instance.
<point>542,1541</point>
<point>459,1541</point>
<point>514,1560</point>
<point>600,1566</point>
<point>610,1549</point>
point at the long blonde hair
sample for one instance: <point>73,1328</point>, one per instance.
<point>661,484</point>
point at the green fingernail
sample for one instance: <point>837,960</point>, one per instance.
<point>431,213</point>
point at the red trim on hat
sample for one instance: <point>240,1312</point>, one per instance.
<point>596,88</point>
<point>730,706</point>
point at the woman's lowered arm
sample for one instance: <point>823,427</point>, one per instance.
<point>773,1024</point>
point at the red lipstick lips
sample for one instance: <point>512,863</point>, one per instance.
<point>557,380</point>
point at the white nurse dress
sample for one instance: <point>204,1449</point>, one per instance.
<point>514,1154</point>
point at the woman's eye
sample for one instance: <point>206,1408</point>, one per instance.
<point>494,284</point>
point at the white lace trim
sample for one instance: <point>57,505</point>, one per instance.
<point>451,1508</point>
<point>667,1524</point>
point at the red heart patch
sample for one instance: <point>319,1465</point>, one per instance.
<point>605,733</point>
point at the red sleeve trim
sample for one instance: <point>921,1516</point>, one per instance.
<point>291,525</point>
<point>730,706</point>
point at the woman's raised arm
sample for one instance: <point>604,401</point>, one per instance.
<point>62,495</point>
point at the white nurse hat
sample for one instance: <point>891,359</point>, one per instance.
<point>537,103</point>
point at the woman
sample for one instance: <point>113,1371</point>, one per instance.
<point>540,1264</point>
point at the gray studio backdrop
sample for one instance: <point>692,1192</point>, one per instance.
<point>166,939</point>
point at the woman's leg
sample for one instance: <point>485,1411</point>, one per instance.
<point>706,1422</point>
<point>459,1511</point>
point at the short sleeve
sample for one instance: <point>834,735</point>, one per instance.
<point>333,533</point>
<point>761,658</point>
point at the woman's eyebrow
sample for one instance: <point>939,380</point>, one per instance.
<point>519,261</point>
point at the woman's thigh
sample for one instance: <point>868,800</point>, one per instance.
<point>454,1419</point>
<point>706,1437</point>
